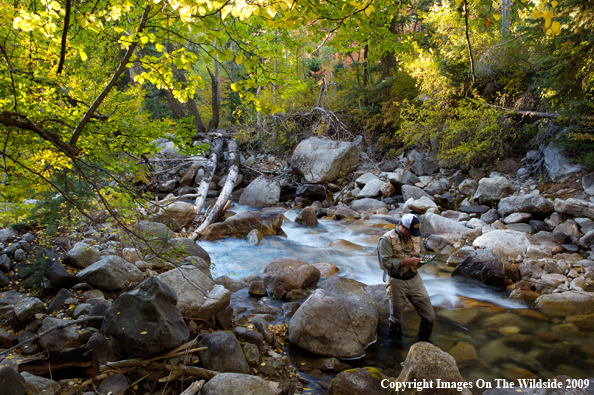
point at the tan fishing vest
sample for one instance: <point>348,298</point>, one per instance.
<point>404,247</point>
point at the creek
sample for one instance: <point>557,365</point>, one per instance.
<point>491,336</point>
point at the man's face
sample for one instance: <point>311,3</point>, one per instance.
<point>404,230</point>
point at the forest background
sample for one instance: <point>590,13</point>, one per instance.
<point>87,87</point>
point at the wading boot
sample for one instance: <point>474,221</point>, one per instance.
<point>395,331</point>
<point>425,329</point>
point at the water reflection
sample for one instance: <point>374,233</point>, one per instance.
<point>490,336</point>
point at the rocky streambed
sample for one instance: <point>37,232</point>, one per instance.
<point>288,298</point>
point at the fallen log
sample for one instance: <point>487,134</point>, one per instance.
<point>187,371</point>
<point>209,170</point>
<point>225,192</point>
<point>194,388</point>
<point>59,365</point>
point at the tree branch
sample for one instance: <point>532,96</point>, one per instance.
<point>64,38</point>
<point>123,64</point>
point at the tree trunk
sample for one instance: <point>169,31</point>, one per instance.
<point>191,104</point>
<point>365,65</point>
<point>216,95</point>
<point>225,192</point>
<point>468,42</point>
<point>209,170</point>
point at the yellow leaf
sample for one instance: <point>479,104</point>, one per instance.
<point>536,14</point>
<point>225,11</point>
<point>458,3</point>
<point>144,39</point>
<point>83,55</point>
<point>202,11</point>
<point>554,3</point>
<point>547,15</point>
<point>556,26</point>
<point>496,17</point>
<point>235,11</point>
<point>369,10</point>
<point>271,11</point>
<point>143,333</point>
<point>547,23</point>
<point>239,60</point>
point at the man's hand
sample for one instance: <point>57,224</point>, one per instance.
<point>411,261</point>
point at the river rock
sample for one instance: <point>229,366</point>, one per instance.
<point>438,225</point>
<point>458,256</point>
<point>311,191</point>
<point>284,275</point>
<point>362,205</point>
<point>184,247</point>
<point>575,207</point>
<point>421,205</point>
<point>372,295</point>
<point>307,217</point>
<point>320,160</point>
<point>197,294</point>
<point>26,309</point>
<point>145,322</point>
<point>493,189</point>
<point>490,216</point>
<point>423,167</point>
<point>359,381</point>
<point>13,383</point>
<point>154,231</point>
<point>7,233</point>
<point>468,187</point>
<point>262,192</point>
<point>484,266</point>
<point>82,255</point>
<point>109,273</point>
<point>372,188</point>
<point>566,303</point>
<point>585,224</point>
<point>330,325</point>
<point>61,339</point>
<point>40,385</point>
<point>268,223</point>
<point>413,192</point>
<point>177,215</point>
<point>506,243</point>
<point>56,273</point>
<point>588,239</point>
<point>567,232</point>
<point>224,353</point>
<point>558,167</point>
<point>365,179</point>
<point>536,205</point>
<point>426,361</point>
<point>236,383</point>
<point>588,183</point>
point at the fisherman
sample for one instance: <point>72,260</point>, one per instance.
<point>398,253</point>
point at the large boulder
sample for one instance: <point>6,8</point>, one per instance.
<point>177,215</point>
<point>198,297</point>
<point>262,192</point>
<point>153,231</point>
<point>330,325</point>
<point>236,383</point>
<point>536,205</point>
<point>427,362</point>
<point>484,266</point>
<point>82,255</point>
<point>566,303</point>
<point>363,205</point>
<point>557,165</point>
<point>145,322</point>
<point>311,191</point>
<point>468,187</point>
<point>588,183</point>
<point>505,243</point>
<point>575,207</point>
<point>56,273</point>
<point>26,309</point>
<point>371,189</point>
<point>372,295</point>
<point>223,353</point>
<point>412,192</point>
<point>360,381</point>
<point>493,189</point>
<point>184,247</point>
<point>284,275</point>
<point>445,227</point>
<point>239,225</point>
<point>420,205</point>
<point>109,273</point>
<point>12,382</point>
<point>307,217</point>
<point>320,160</point>
<point>59,339</point>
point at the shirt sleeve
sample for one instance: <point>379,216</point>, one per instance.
<point>385,255</point>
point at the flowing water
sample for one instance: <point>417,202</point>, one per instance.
<point>491,336</point>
